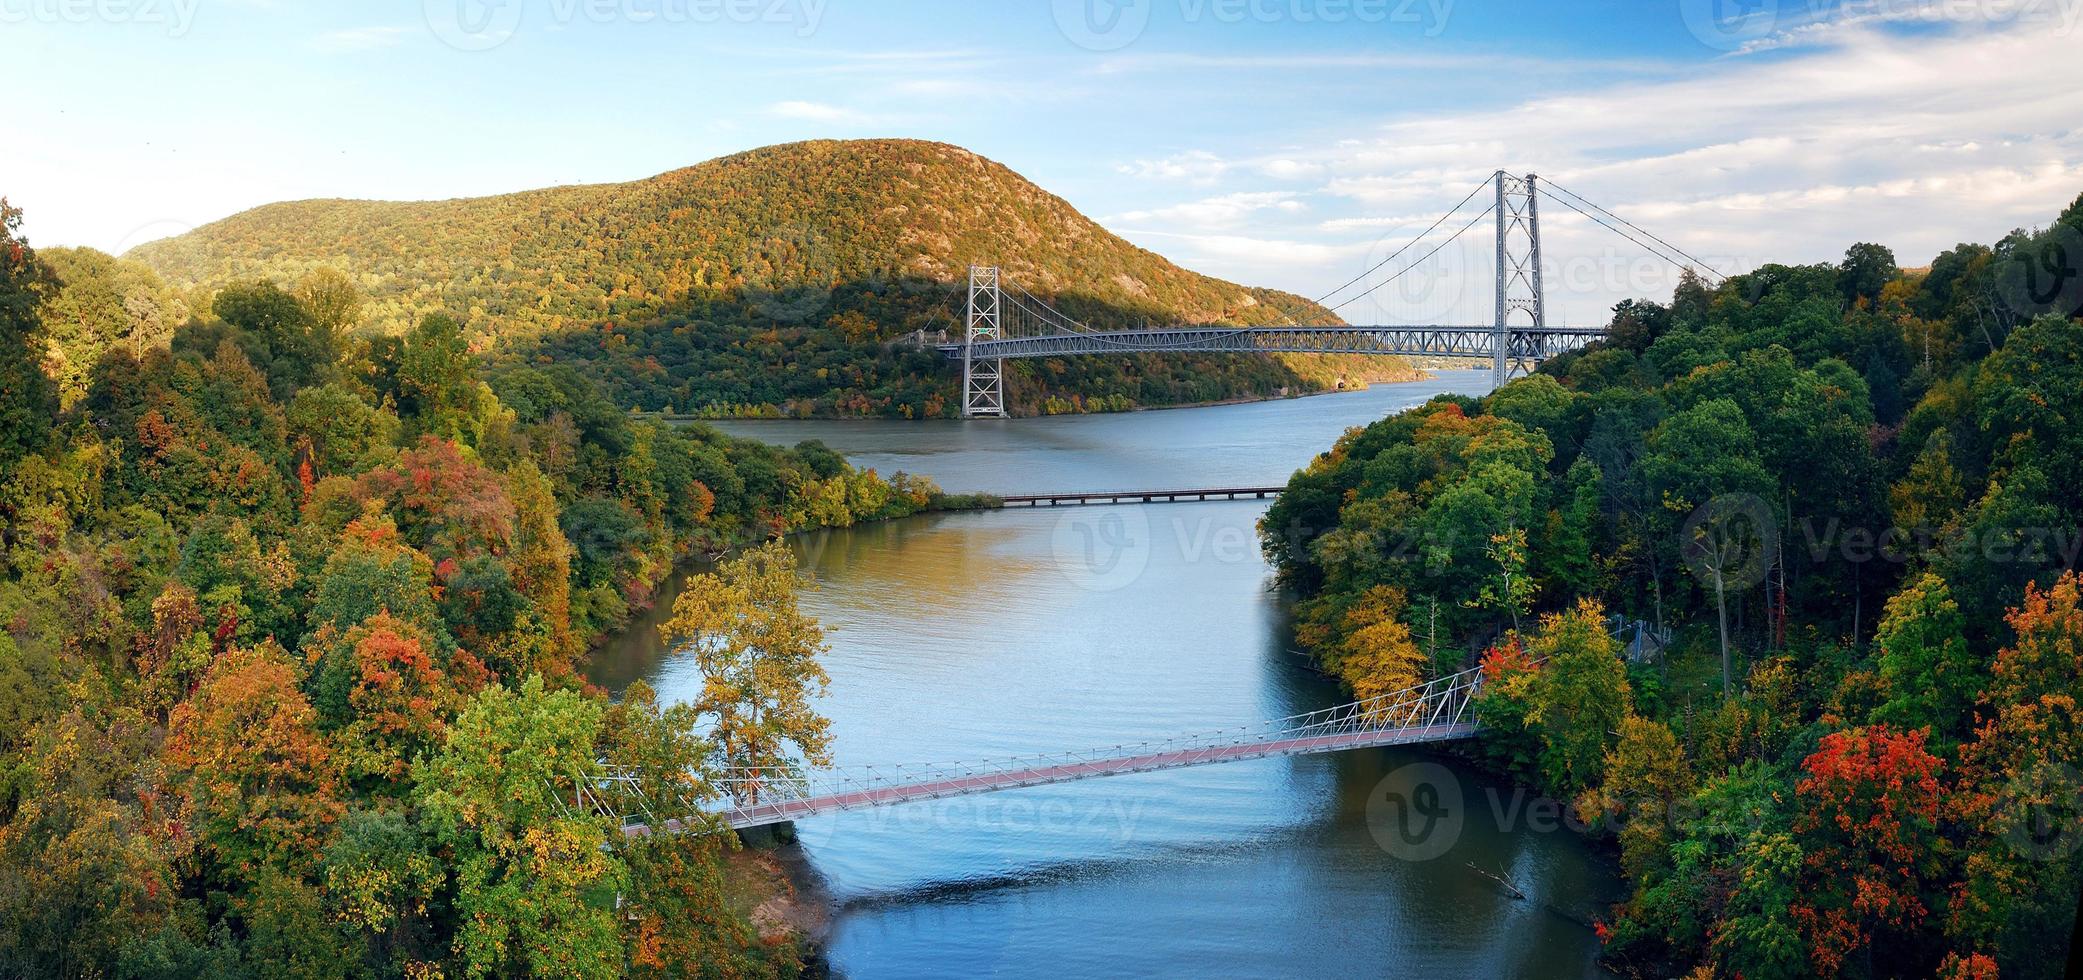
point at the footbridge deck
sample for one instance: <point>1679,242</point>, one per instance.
<point>1438,711</point>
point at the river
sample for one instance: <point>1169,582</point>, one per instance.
<point>972,636</point>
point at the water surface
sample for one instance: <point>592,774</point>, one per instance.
<point>973,636</point>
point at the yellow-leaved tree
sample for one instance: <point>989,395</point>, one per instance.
<point>758,655</point>
<point>1377,656</point>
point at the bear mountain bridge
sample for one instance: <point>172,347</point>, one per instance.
<point>1004,322</point>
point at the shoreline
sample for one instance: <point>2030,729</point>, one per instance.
<point>1417,374</point>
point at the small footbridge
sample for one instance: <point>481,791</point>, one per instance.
<point>1438,711</point>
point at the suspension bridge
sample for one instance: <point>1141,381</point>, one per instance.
<point>1004,322</point>
<point>1438,711</point>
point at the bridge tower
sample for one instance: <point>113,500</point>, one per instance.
<point>1518,277</point>
<point>983,380</point>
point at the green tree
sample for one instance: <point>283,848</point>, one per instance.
<point>534,882</point>
<point>1931,677</point>
<point>436,388</point>
<point>28,399</point>
<point>1578,698</point>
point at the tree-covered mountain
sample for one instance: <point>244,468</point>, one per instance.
<point>791,278</point>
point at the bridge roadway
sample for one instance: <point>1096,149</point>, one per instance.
<point>1476,342</point>
<point>756,815</point>
<point>1137,496</point>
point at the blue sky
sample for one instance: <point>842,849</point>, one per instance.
<point>1279,142</point>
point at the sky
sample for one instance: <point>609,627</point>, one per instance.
<point>1287,143</point>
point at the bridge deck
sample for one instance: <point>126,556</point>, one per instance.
<point>1432,340</point>
<point>1137,496</point>
<point>795,809</point>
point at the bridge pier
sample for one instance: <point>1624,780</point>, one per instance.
<point>983,379</point>
<point>768,836</point>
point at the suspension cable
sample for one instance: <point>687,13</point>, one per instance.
<point>1689,257</point>
<point>1320,300</point>
<point>1419,261</point>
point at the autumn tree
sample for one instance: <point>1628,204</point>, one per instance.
<point>1870,836</point>
<point>758,656</point>
<point>1646,776</point>
<point>1376,656</point>
<point>2020,793</point>
<point>263,786</point>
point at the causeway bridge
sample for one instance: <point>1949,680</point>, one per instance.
<point>1093,497</point>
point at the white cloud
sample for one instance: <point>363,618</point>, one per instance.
<point>1916,140</point>
<point>818,112</point>
<point>1218,212</point>
<point>1193,166</point>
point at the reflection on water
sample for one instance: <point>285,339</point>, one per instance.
<point>974,636</point>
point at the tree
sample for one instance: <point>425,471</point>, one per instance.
<point>758,655</point>
<point>535,882</point>
<point>28,398</point>
<point>332,300</point>
<point>1871,840</point>
<point>1865,270</point>
<point>1645,777</point>
<point>1510,589</point>
<point>2019,796</point>
<point>1931,677</point>
<point>1578,698</point>
<point>263,787</point>
<point>1758,936</point>
<point>435,386</point>
<point>1377,656</point>
<point>278,334</point>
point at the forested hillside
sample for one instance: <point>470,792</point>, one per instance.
<point>1851,494</point>
<point>789,279</point>
<point>293,615</point>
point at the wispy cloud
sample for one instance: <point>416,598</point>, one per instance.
<point>1193,166</point>
<point>819,112</point>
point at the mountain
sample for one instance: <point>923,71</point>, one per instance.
<point>772,248</point>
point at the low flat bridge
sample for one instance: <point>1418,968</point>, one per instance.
<point>1095,497</point>
<point>1438,711</point>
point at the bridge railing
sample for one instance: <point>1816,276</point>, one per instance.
<point>1441,702</point>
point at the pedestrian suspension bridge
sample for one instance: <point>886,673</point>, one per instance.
<point>1438,711</point>
<point>1004,322</point>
